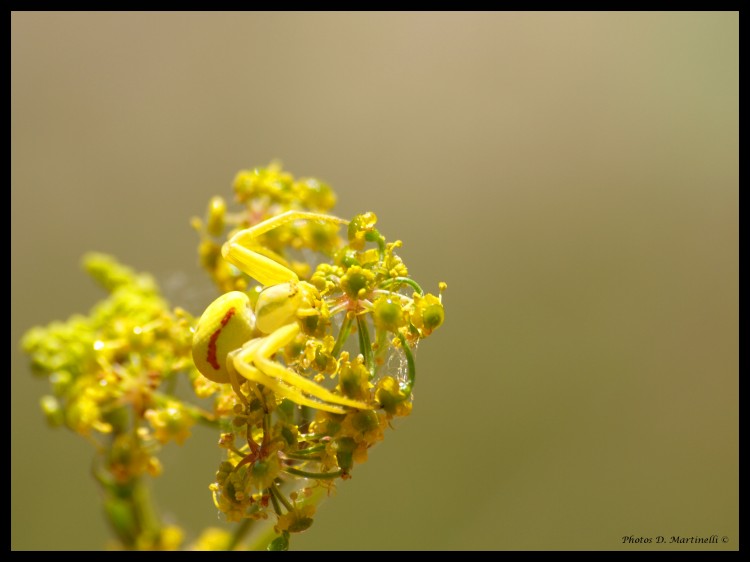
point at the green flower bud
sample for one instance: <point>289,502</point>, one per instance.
<point>279,543</point>
<point>344,447</point>
<point>357,281</point>
<point>388,314</point>
<point>364,421</point>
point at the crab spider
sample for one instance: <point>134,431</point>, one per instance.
<point>232,339</point>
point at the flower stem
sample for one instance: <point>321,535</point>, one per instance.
<point>364,345</point>
<point>281,497</point>
<point>405,280</point>
<point>132,514</point>
<point>145,510</point>
<point>346,327</point>
<point>314,475</point>
<point>303,457</point>
<point>409,363</point>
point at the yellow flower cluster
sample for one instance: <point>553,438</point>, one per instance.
<point>357,330</point>
<point>110,373</point>
<point>265,193</point>
<point>326,361</point>
<point>108,370</point>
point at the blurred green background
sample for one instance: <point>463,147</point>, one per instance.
<point>573,177</point>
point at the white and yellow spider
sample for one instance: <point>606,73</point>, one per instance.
<point>232,339</point>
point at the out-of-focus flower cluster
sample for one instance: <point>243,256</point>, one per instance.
<point>110,374</point>
<point>108,370</point>
<point>356,340</point>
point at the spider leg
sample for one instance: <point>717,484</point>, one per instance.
<point>278,339</point>
<point>253,362</point>
<point>267,271</point>
<point>242,363</point>
<point>282,389</point>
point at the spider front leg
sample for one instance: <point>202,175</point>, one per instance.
<point>237,250</point>
<point>254,363</point>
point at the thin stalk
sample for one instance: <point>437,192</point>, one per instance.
<point>299,457</point>
<point>405,280</point>
<point>364,345</point>
<point>147,521</point>
<point>311,450</point>
<point>313,475</point>
<point>281,497</point>
<point>409,363</point>
<point>346,327</point>
<point>275,503</point>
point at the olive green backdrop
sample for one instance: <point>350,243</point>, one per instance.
<point>573,177</point>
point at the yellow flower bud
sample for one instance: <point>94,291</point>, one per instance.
<point>217,209</point>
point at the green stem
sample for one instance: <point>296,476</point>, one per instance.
<point>381,336</point>
<point>144,509</point>
<point>311,437</point>
<point>311,450</point>
<point>300,457</point>
<point>346,327</point>
<point>313,475</point>
<point>375,236</point>
<point>409,363</point>
<point>281,497</point>
<point>405,280</point>
<point>307,454</point>
<point>364,345</point>
<point>275,502</point>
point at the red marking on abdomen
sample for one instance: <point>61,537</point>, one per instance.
<point>211,357</point>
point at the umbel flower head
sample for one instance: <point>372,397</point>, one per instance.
<point>316,359</point>
<point>109,366</point>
